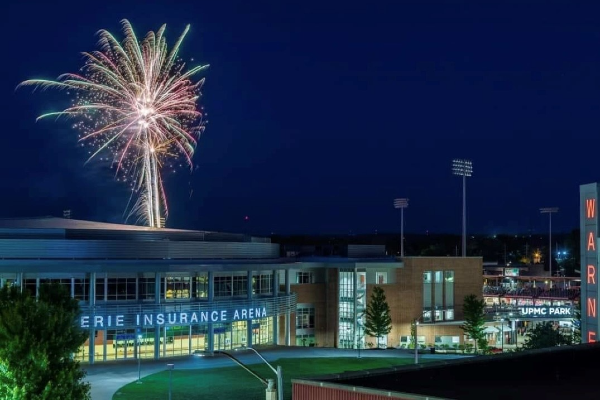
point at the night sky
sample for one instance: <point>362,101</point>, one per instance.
<point>321,113</point>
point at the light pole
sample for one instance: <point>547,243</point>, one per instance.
<point>401,204</point>
<point>278,372</point>
<point>270,392</point>
<point>170,367</point>
<point>416,341</point>
<point>502,325</point>
<point>463,168</point>
<point>359,341</point>
<point>549,211</point>
<point>139,355</point>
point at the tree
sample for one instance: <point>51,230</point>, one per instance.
<point>545,335</point>
<point>378,320</point>
<point>474,314</point>
<point>38,339</point>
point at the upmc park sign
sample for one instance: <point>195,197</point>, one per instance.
<point>588,221</point>
<point>546,312</point>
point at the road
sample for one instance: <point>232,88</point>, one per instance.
<point>107,377</point>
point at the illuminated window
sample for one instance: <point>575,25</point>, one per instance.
<point>381,278</point>
<point>262,284</point>
<point>304,277</point>
<point>202,285</point>
<point>178,287</point>
<point>427,292</point>
<point>449,294</point>
<point>305,318</point>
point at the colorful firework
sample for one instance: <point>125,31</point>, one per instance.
<point>135,100</point>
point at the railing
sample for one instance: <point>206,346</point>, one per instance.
<point>532,292</point>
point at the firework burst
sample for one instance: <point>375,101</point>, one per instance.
<point>135,101</point>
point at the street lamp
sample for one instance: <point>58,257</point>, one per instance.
<point>463,168</point>
<point>416,341</point>
<point>170,367</point>
<point>502,325</point>
<point>270,392</point>
<point>278,373</point>
<point>401,204</point>
<point>549,211</point>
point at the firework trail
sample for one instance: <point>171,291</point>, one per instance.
<point>135,100</point>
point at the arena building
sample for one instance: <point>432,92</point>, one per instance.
<point>152,293</point>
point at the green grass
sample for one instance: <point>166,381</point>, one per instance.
<point>235,383</point>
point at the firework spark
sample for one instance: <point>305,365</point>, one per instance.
<point>136,101</point>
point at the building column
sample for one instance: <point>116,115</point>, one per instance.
<point>354,315</point>
<point>92,308</point>
<point>210,336</point>
<point>288,327</point>
<point>275,283</point>
<point>249,342</point>
<point>19,281</point>
<point>276,316</point>
<point>157,300</point>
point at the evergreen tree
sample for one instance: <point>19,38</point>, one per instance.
<point>545,335</point>
<point>378,320</point>
<point>38,338</point>
<point>474,314</point>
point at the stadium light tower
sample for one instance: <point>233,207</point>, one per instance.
<point>463,168</point>
<point>401,204</point>
<point>549,211</point>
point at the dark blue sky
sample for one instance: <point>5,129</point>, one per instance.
<point>321,113</point>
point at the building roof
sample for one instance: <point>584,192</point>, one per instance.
<point>64,223</point>
<point>63,228</point>
<point>552,373</point>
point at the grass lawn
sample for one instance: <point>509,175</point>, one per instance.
<point>235,383</point>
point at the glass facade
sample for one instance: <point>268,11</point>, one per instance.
<point>427,295</point>
<point>351,308</point>
<point>120,297</point>
<point>449,294</point>
<point>438,296</point>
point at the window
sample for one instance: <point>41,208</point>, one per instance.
<point>305,340</point>
<point>304,277</point>
<point>346,311</point>
<point>100,286</point>
<point>347,285</point>
<point>240,285</point>
<point>447,341</point>
<point>438,296</point>
<point>427,306</point>
<point>305,318</point>
<point>449,294</point>
<point>381,278</point>
<point>121,289</point>
<point>147,288</point>
<point>202,286</point>
<point>262,284</point>
<point>80,290</point>
<point>223,286</point>
<point>178,287</point>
